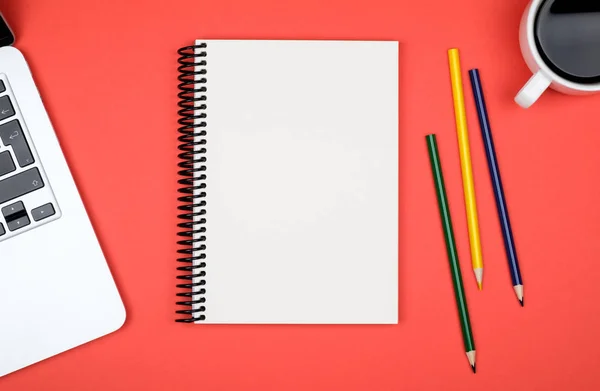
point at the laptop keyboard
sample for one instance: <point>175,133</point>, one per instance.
<point>26,199</point>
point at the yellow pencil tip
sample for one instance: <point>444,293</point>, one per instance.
<point>479,277</point>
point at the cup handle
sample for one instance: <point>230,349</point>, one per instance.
<point>533,90</point>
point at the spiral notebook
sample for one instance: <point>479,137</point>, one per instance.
<point>289,182</point>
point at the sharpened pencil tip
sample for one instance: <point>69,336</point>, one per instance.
<point>473,368</point>
<point>519,293</point>
<point>479,277</point>
<point>522,305</point>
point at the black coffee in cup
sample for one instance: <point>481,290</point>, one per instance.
<point>567,36</point>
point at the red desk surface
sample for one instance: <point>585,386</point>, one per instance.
<point>107,72</point>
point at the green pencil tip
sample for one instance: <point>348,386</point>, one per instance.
<point>474,369</point>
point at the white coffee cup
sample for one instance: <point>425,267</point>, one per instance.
<point>543,77</point>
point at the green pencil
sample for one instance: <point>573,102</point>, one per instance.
<point>461,300</point>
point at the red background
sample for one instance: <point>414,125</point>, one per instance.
<point>107,72</point>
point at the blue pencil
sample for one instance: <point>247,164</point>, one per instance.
<point>486,133</point>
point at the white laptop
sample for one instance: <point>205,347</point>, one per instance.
<point>56,290</point>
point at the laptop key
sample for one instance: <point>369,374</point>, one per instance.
<point>14,211</point>
<point>42,212</point>
<point>18,223</point>
<point>11,134</point>
<point>6,108</point>
<point>2,231</point>
<point>20,184</point>
<point>6,163</point>
<point>16,216</point>
<point>2,87</point>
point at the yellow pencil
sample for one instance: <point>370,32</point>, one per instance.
<point>465,163</point>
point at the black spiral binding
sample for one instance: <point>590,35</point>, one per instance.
<point>192,147</point>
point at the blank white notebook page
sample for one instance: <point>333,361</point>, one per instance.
<point>302,182</point>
